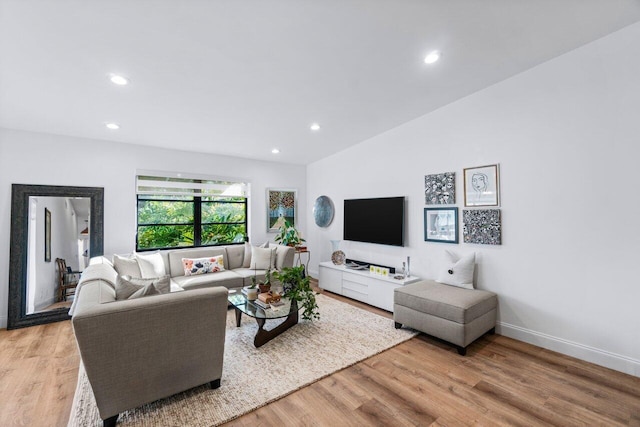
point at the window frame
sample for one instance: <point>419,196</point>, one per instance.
<point>197,201</point>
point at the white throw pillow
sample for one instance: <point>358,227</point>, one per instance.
<point>126,266</point>
<point>458,271</point>
<point>263,258</point>
<point>151,265</point>
<point>246,263</point>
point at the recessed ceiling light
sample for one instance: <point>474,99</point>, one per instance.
<point>314,127</point>
<point>432,57</point>
<point>112,126</point>
<point>119,80</point>
<point>275,151</point>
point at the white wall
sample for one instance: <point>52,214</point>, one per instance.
<point>63,245</point>
<point>34,158</point>
<point>566,136</point>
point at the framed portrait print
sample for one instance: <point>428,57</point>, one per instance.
<point>441,225</point>
<point>482,186</point>
<point>281,205</point>
<point>47,235</point>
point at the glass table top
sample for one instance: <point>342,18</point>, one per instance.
<point>250,308</point>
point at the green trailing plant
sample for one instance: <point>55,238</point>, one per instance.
<point>288,235</point>
<point>297,287</point>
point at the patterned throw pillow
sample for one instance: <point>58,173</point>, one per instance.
<point>193,266</point>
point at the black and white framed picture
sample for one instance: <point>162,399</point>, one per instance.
<point>482,226</point>
<point>482,186</point>
<point>440,189</point>
<point>441,225</point>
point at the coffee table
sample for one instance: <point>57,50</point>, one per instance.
<point>250,308</point>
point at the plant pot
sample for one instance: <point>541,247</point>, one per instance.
<point>264,287</point>
<point>251,293</point>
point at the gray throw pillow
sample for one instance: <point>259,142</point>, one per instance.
<point>131,287</point>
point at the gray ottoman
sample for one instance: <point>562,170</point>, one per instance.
<point>457,315</point>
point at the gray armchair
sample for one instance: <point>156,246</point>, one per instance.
<point>141,350</point>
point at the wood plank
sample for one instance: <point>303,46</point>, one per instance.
<point>422,381</point>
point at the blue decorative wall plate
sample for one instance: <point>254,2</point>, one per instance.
<point>323,211</point>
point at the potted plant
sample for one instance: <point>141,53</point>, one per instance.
<point>297,288</point>
<point>288,235</point>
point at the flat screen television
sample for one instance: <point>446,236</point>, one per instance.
<point>379,220</point>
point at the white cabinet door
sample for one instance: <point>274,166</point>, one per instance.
<point>330,280</point>
<point>381,295</point>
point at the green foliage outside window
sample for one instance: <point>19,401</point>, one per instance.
<point>171,223</point>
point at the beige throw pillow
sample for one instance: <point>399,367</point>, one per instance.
<point>151,265</point>
<point>131,287</point>
<point>126,266</point>
<point>248,249</point>
<point>263,258</point>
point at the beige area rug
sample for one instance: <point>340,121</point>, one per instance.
<point>302,355</point>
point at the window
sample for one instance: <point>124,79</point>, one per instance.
<point>175,212</point>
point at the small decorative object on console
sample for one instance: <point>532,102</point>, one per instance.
<point>337,257</point>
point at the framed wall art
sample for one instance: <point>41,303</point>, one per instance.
<point>440,189</point>
<point>482,186</point>
<point>281,206</point>
<point>482,226</point>
<point>441,225</point>
<point>47,235</point>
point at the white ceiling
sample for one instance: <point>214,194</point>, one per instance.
<point>240,77</point>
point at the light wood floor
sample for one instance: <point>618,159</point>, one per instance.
<point>420,382</point>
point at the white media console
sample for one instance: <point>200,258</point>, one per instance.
<point>361,285</point>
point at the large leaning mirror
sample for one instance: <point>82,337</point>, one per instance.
<point>54,232</point>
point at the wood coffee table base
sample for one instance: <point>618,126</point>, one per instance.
<point>263,336</point>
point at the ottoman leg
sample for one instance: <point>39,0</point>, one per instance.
<point>398,325</point>
<point>492,331</point>
<point>462,351</point>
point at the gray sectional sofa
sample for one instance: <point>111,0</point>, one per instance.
<point>139,350</point>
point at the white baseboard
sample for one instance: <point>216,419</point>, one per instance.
<point>598,356</point>
<point>3,322</point>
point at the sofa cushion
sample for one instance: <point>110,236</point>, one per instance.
<point>448,302</point>
<point>284,256</point>
<point>246,261</point>
<point>235,256</point>
<point>225,278</point>
<point>151,265</point>
<point>130,288</point>
<point>176,268</point>
<point>126,266</point>
<point>263,258</point>
<point>195,266</point>
<point>247,274</point>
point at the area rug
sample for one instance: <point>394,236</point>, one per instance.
<point>307,352</point>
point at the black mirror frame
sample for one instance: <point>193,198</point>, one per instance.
<point>20,193</point>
